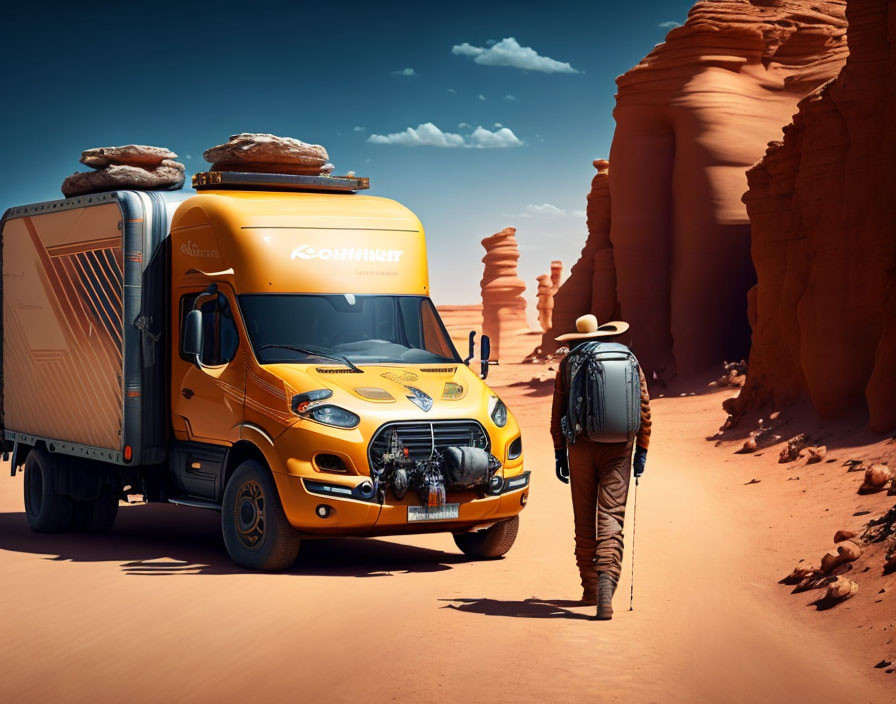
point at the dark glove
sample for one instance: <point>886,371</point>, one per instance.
<point>640,460</point>
<point>561,462</point>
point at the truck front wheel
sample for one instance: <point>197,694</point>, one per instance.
<point>45,510</point>
<point>256,532</point>
<point>490,543</point>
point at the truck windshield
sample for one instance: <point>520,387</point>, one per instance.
<point>364,329</point>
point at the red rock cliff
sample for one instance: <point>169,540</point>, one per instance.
<point>591,286</point>
<point>690,119</point>
<point>823,209</point>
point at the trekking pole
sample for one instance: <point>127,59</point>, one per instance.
<point>631,598</point>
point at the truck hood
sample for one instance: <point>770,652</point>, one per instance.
<point>448,390</point>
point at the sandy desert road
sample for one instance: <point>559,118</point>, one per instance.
<point>155,611</point>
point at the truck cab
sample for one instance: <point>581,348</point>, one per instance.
<point>311,386</point>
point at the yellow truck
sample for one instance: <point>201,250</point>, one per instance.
<point>265,347</point>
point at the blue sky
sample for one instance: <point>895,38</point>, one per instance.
<point>519,95</point>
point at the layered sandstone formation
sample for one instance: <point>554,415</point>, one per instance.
<point>130,166</point>
<point>545,296</point>
<point>503,305</point>
<point>691,118</point>
<point>548,285</point>
<point>823,209</point>
<point>556,275</point>
<point>591,286</point>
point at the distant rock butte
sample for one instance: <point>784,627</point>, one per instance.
<point>503,305</point>
<point>670,252</point>
<point>823,207</point>
<point>556,275</point>
<point>545,295</point>
<point>548,285</point>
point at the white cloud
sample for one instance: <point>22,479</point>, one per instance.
<point>499,139</point>
<point>405,72</point>
<point>464,125</point>
<point>511,98</point>
<point>669,25</point>
<point>498,124</point>
<point>482,97</point>
<point>543,210</point>
<point>508,52</point>
<point>358,128</point>
<point>546,210</point>
<point>428,135</point>
<point>450,90</point>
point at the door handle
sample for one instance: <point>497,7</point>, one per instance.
<point>187,393</point>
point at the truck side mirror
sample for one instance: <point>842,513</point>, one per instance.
<point>192,342</point>
<point>472,349</point>
<point>485,350</point>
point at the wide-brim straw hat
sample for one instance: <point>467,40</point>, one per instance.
<point>587,327</point>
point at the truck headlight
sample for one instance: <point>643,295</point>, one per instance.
<point>515,449</point>
<point>498,411</point>
<point>301,402</point>
<point>333,415</point>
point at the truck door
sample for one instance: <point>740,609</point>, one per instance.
<point>208,390</point>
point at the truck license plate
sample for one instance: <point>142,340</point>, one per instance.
<point>433,513</point>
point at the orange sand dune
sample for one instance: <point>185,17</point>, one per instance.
<point>155,610</point>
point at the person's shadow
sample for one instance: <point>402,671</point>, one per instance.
<point>528,608</point>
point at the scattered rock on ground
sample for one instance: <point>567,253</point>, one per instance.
<point>841,589</point>
<point>890,560</point>
<point>764,435</point>
<point>735,374</point>
<point>812,454</point>
<point>792,449</point>
<point>876,478</point>
<point>847,551</point>
<point>750,445</point>
<point>268,153</point>
<point>842,535</point>
<point>800,573</point>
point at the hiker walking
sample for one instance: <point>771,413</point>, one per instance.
<point>600,415</point>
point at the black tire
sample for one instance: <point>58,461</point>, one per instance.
<point>97,516</point>
<point>256,532</point>
<point>45,510</point>
<point>490,543</point>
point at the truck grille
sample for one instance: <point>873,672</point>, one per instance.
<point>418,437</point>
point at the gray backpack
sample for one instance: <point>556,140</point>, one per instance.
<point>604,393</point>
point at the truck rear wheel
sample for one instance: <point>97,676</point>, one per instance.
<point>45,510</point>
<point>256,532</point>
<point>97,516</point>
<point>490,543</point>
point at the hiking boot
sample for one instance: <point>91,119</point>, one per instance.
<point>589,595</point>
<point>605,588</point>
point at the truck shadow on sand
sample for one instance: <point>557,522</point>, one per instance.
<point>161,540</point>
<point>528,608</point>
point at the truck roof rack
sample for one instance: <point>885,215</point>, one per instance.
<point>243,180</point>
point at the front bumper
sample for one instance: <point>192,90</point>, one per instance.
<point>351,514</point>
